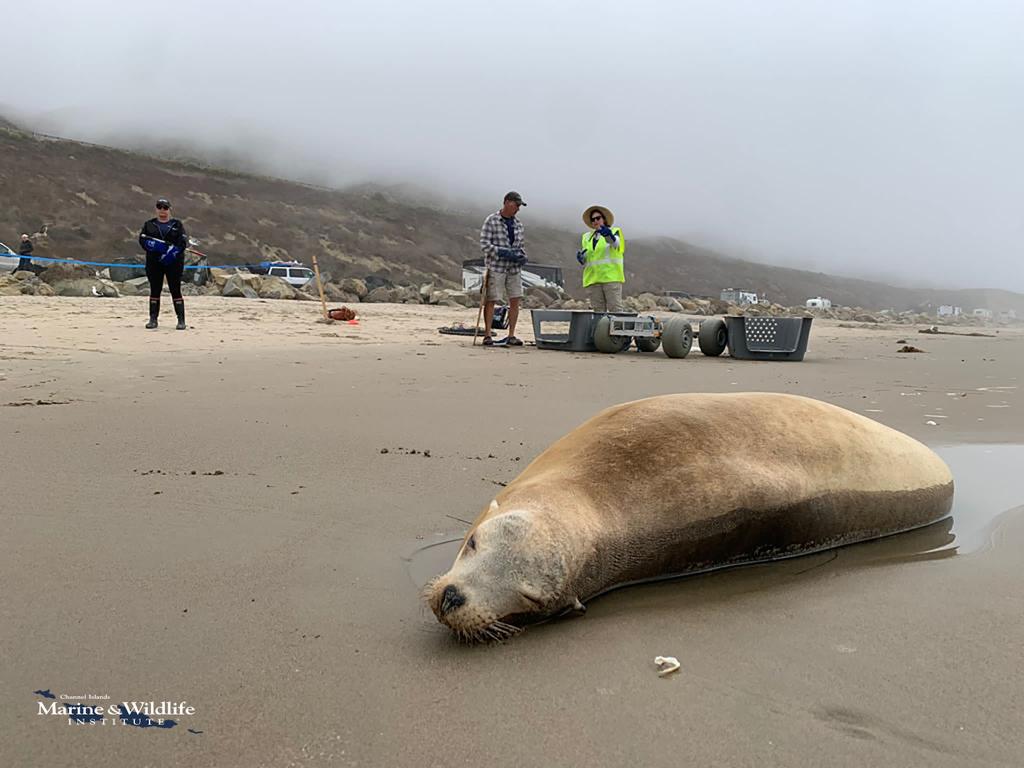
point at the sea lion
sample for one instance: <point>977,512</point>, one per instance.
<point>679,484</point>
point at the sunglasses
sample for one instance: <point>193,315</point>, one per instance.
<point>597,217</point>
<point>163,207</point>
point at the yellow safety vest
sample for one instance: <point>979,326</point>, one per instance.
<point>604,263</point>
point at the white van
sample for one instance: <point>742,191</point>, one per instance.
<point>293,274</point>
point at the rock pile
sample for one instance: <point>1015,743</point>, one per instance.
<point>78,280</point>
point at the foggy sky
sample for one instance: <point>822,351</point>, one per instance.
<point>874,138</point>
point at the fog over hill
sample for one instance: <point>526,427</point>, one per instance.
<point>88,202</point>
<point>875,140</point>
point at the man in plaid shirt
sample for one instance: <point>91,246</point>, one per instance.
<point>504,247</point>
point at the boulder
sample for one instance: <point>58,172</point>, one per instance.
<point>58,273</point>
<point>84,287</point>
<point>385,295</point>
<point>543,297</point>
<point>355,286</point>
<point>460,298</point>
<point>273,287</point>
<point>239,288</point>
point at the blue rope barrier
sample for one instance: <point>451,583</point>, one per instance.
<point>110,264</point>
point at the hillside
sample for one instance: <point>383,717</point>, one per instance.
<point>88,202</point>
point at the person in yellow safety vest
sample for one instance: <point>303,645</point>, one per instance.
<point>601,257</point>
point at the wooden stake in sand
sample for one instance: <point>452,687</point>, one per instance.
<point>483,295</point>
<point>320,285</point>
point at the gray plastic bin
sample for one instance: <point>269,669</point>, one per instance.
<point>768,338</point>
<point>580,337</point>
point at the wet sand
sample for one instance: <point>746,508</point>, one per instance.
<point>275,589</point>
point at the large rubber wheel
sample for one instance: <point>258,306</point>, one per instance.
<point>712,337</point>
<point>647,343</point>
<point>676,337</point>
<point>603,339</point>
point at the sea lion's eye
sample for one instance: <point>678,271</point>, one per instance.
<point>472,543</point>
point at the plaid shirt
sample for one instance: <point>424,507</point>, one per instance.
<point>494,235</point>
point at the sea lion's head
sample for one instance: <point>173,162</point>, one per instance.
<point>510,571</point>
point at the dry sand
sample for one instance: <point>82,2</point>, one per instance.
<point>277,597</point>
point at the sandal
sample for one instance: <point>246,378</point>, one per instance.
<point>512,341</point>
<point>490,342</point>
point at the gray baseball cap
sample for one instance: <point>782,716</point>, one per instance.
<point>515,197</point>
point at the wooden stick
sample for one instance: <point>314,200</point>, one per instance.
<point>483,296</point>
<point>320,285</point>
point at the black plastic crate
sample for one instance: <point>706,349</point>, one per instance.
<point>768,338</point>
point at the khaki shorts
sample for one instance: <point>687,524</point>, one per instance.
<point>606,297</point>
<point>501,285</point>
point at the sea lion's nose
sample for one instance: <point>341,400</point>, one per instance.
<point>451,599</point>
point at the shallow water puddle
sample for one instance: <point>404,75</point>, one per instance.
<point>989,482</point>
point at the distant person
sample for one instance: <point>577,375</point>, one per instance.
<point>24,249</point>
<point>601,257</point>
<point>164,241</point>
<point>504,247</point>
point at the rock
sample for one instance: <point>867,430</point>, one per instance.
<point>647,302</point>
<point>58,273</point>
<point>865,318</point>
<point>461,298</point>
<point>23,274</point>
<point>411,295</point>
<point>273,287</point>
<point>426,290</point>
<point>385,295</point>
<point>9,286</point>
<point>218,277</point>
<point>373,282</point>
<point>354,286</point>
<point>83,287</point>
<point>533,301</point>
<point>238,288</point>
<point>544,296</point>
<point>674,305</point>
<point>44,290</point>
<point>909,348</point>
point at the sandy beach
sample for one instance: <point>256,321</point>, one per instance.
<point>235,517</point>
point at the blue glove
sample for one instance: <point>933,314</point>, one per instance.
<point>152,245</point>
<point>606,231</point>
<point>519,257</point>
<point>581,257</point>
<point>506,253</point>
<point>170,255</point>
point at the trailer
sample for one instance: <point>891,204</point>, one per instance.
<point>746,338</point>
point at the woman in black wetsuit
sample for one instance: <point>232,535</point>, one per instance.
<point>165,242</point>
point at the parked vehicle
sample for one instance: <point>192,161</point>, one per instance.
<point>292,272</point>
<point>8,258</point>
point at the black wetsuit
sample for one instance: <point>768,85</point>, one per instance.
<point>172,232</point>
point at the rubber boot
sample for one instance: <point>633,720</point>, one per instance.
<point>154,311</point>
<point>179,310</point>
